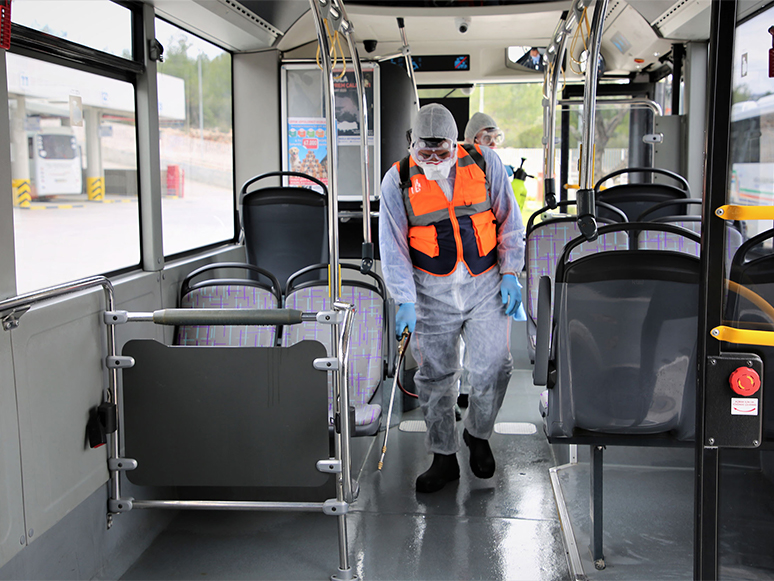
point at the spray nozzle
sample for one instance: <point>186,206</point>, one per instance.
<point>520,173</point>
<point>403,341</point>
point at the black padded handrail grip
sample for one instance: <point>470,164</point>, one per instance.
<point>271,174</point>
<point>564,203</point>
<point>629,227</point>
<point>666,204</point>
<point>227,317</point>
<point>275,284</point>
<point>666,172</point>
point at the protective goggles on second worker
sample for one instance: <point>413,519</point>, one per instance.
<point>490,137</point>
<point>428,150</point>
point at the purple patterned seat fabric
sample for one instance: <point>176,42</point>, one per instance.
<point>545,245</point>
<point>222,296</point>
<point>365,358</point>
<point>653,240</point>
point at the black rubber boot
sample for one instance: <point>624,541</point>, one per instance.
<point>482,460</point>
<point>444,469</point>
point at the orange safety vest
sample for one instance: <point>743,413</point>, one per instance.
<point>443,233</point>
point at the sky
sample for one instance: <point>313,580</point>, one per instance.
<point>754,41</point>
<point>99,24</point>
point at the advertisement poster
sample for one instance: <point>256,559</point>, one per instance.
<point>347,116</point>
<point>307,150</point>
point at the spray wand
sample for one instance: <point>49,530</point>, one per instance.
<point>402,344</point>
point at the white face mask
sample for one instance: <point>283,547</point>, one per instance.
<point>437,171</point>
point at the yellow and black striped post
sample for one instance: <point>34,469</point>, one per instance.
<point>95,189</point>
<point>22,193</point>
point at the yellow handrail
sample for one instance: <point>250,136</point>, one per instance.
<point>743,336</point>
<point>746,336</point>
<point>731,212</point>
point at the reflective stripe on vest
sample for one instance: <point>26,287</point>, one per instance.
<point>444,233</point>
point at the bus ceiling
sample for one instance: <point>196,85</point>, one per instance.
<point>637,32</point>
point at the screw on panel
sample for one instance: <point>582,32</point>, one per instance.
<point>713,361</point>
<point>749,363</point>
<point>31,532</point>
<point>756,443</point>
<point>711,441</point>
<point>719,211</point>
<point>22,540</point>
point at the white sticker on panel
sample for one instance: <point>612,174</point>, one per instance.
<point>744,406</point>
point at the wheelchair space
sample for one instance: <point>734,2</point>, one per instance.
<point>506,528</point>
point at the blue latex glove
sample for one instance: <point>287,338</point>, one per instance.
<point>510,291</point>
<point>405,317</point>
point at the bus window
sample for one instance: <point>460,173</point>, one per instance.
<point>76,134</point>
<point>196,141</point>
<point>112,34</point>
<point>57,146</point>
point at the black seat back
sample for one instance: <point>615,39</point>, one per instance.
<point>285,228</point>
<point>636,198</point>
<point>625,340</point>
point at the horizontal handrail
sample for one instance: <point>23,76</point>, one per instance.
<point>743,336</point>
<point>732,212</point>
<point>53,292</point>
<point>652,105</point>
<point>215,317</point>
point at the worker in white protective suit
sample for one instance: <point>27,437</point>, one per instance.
<point>482,129</point>
<point>451,243</point>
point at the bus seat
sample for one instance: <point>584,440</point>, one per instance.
<point>285,227</point>
<point>667,241</point>
<point>623,357</point>
<point>754,271</point>
<point>367,357</point>
<point>229,293</point>
<point>544,245</point>
<point>635,198</point>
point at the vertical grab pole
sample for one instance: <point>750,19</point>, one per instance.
<point>344,488</point>
<point>365,171</point>
<point>333,208</point>
<point>551,82</point>
<point>341,396</point>
<point>112,397</point>
<point>409,64</point>
<point>587,222</point>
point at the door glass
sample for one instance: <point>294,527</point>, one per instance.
<point>747,475</point>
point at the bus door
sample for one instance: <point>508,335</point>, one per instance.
<point>734,476</point>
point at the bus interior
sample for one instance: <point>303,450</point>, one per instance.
<point>202,373</point>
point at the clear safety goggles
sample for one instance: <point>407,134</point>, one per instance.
<point>432,151</point>
<point>490,137</point>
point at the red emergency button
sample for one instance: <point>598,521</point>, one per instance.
<point>745,381</point>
